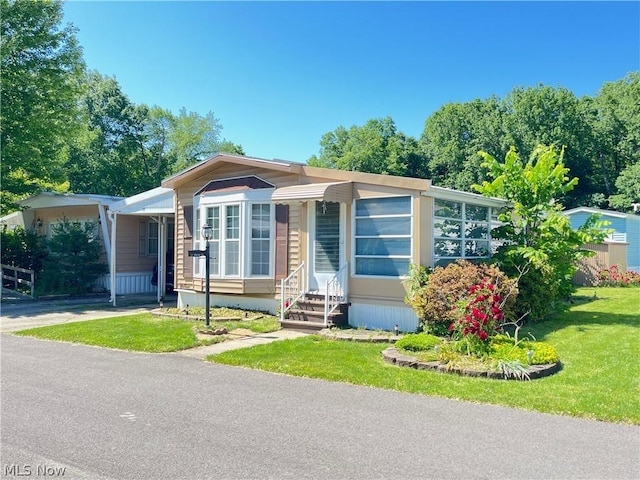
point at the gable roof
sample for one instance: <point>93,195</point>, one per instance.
<point>295,168</point>
<point>604,213</point>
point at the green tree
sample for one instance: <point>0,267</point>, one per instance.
<point>544,115</point>
<point>455,133</point>
<point>538,239</point>
<point>74,262</point>
<point>614,115</point>
<point>376,147</point>
<point>22,248</point>
<point>40,72</point>
<point>628,188</point>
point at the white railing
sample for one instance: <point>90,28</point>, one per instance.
<point>291,289</point>
<point>336,292</point>
<point>18,277</point>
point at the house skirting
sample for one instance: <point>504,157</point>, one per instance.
<point>383,317</point>
<point>128,283</point>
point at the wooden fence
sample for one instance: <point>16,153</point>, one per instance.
<point>606,255</point>
<point>19,279</point>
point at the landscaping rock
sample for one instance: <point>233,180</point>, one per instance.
<point>393,356</point>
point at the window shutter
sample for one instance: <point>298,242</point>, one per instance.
<point>282,246</point>
<point>187,244</point>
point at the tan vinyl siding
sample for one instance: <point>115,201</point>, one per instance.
<point>127,246</point>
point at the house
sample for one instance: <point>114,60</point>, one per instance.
<point>136,232</point>
<point>626,228</point>
<point>317,244</point>
<point>621,248</point>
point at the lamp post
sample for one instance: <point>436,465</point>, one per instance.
<point>207,231</point>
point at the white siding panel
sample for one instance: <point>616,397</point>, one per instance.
<point>128,283</point>
<point>383,317</point>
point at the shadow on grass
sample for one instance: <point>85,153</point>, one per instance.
<point>581,319</point>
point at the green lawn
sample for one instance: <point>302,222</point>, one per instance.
<point>143,332</point>
<point>597,339</point>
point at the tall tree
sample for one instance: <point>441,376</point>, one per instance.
<point>41,68</point>
<point>376,147</point>
<point>455,133</point>
<point>615,123</point>
<point>628,186</point>
<point>552,116</point>
<point>126,148</point>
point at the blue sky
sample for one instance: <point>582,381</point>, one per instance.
<point>278,75</point>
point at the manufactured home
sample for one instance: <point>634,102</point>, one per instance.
<point>319,246</point>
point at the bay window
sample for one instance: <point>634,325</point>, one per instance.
<point>242,227</point>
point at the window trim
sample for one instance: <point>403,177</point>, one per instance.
<point>355,237</point>
<point>244,201</point>
<point>464,222</point>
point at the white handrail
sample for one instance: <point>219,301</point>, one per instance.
<point>336,292</point>
<point>291,289</point>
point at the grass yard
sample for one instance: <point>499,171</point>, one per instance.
<point>143,332</point>
<point>597,339</point>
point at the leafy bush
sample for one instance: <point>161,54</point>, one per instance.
<point>416,283</point>
<point>537,296</point>
<point>504,348</point>
<point>418,342</point>
<point>612,277</point>
<point>23,248</point>
<point>74,263</point>
<point>449,285</point>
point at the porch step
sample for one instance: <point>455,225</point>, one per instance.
<point>312,304</point>
<point>306,327</point>
<point>336,318</point>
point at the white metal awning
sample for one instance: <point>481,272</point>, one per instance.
<point>341,192</point>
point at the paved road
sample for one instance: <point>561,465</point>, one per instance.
<point>29,314</point>
<point>106,414</point>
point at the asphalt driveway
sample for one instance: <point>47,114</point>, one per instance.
<point>105,414</point>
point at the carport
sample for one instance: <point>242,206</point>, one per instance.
<point>157,206</point>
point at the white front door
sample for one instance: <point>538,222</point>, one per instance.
<point>326,242</point>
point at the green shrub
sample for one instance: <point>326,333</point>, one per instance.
<point>503,348</point>
<point>449,285</point>
<point>537,295</point>
<point>418,342</point>
<point>74,264</point>
<point>416,283</point>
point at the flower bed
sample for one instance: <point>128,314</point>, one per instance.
<point>393,356</point>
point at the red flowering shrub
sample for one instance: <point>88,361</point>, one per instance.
<point>448,286</point>
<point>478,317</point>
<point>612,277</point>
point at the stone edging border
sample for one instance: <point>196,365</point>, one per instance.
<point>393,356</point>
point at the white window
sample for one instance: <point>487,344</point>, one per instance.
<point>460,230</point>
<point>260,239</point>
<point>242,243</point>
<point>148,238</point>
<point>382,237</point>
